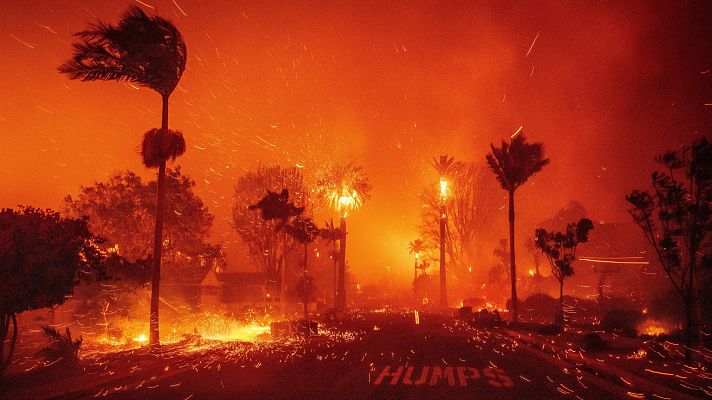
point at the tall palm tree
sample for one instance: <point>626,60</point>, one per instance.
<point>513,164</point>
<point>345,188</point>
<point>446,167</point>
<point>416,247</point>
<point>332,234</point>
<point>148,51</point>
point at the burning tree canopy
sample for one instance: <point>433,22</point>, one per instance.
<point>343,186</point>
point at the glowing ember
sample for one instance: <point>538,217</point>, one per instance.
<point>243,333</point>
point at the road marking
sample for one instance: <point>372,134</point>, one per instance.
<point>453,376</point>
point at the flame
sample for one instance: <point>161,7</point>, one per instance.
<point>141,339</point>
<point>652,327</point>
<point>126,333</point>
<point>443,188</point>
<point>532,272</point>
<point>345,200</point>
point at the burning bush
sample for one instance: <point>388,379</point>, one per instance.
<point>655,328</point>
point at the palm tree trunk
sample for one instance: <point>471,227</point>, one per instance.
<point>341,295</point>
<point>306,290</point>
<point>691,327</point>
<point>6,319</point>
<point>560,322</point>
<point>154,338</point>
<point>335,262</point>
<point>443,282</point>
<point>283,283</point>
<point>512,265</point>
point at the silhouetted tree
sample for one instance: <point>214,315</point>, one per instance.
<point>304,231</point>
<point>502,270</point>
<point>42,257</point>
<point>344,187</point>
<point>264,243</point>
<point>513,164</point>
<point>150,52</point>
<point>677,219</point>
<point>560,250</point>
<point>532,249</point>
<point>277,207</point>
<point>332,234</point>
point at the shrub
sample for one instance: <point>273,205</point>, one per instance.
<point>62,347</point>
<point>594,342</point>
<point>551,329</point>
<point>622,322</point>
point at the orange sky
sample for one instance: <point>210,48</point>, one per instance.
<point>388,84</point>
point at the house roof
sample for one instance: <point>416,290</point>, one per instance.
<point>213,278</point>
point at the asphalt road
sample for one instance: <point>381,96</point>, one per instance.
<point>377,356</point>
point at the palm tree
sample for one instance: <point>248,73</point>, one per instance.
<point>416,247</point>
<point>276,207</point>
<point>446,167</point>
<point>150,52</point>
<point>304,231</point>
<point>513,163</point>
<point>344,187</point>
<point>332,234</point>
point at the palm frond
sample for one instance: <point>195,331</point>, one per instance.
<point>445,165</point>
<point>515,162</point>
<point>148,51</point>
<point>158,147</point>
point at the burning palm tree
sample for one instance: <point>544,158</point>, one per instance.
<point>416,247</point>
<point>513,164</point>
<point>150,52</point>
<point>446,167</point>
<point>345,188</point>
